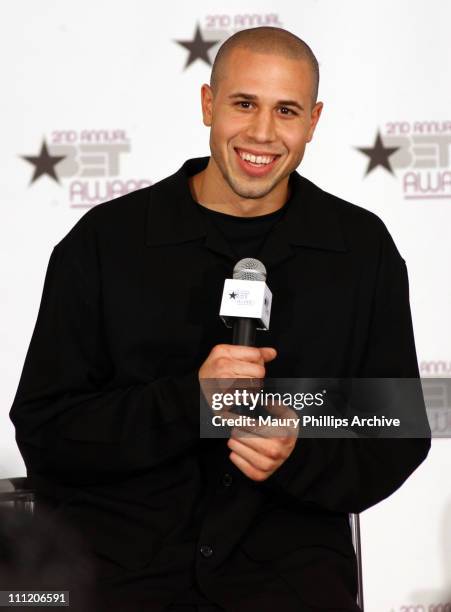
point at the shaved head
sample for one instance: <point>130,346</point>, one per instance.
<point>266,39</point>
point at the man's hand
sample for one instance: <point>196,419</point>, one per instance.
<point>255,450</point>
<point>230,362</point>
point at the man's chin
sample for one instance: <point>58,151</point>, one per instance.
<point>251,192</point>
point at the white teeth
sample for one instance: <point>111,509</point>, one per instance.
<point>259,159</point>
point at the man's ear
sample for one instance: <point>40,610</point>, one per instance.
<point>206,94</point>
<point>314,118</point>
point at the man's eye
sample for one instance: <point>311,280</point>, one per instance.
<point>245,105</point>
<point>285,108</point>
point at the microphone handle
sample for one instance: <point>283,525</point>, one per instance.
<point>244,332</point>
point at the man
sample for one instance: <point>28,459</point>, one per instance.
<point>107,410</point>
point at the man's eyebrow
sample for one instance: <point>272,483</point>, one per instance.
<point>247,96</point>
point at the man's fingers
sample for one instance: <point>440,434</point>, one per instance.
<point>268,353</point>
<point>245,369</point>
<point>255,457</point>
<point>245,353</point>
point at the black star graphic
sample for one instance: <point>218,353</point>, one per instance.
<point>233,295</point>
<point>378,155</point>
<point>197,48</point>
<point>44,163</point>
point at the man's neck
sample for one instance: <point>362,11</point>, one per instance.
<point>209,189</point>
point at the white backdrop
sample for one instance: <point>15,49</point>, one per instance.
<point>106,86</point>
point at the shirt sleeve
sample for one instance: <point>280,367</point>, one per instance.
<point>352,474</point>
<point>70,419</point>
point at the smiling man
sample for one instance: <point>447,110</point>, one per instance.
<point>261,106</point>
<point>107,409</point>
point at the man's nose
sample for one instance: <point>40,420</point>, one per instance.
<point>262,127</point>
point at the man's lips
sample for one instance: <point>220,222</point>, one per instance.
<point>255,170</point>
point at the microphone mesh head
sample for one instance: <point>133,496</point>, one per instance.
<point>249,269</point>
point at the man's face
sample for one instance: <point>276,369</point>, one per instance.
<point>262,106</point>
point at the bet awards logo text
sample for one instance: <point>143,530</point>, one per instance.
<point>217,28</point>
<point>420,150</point>
<point>90,160</point>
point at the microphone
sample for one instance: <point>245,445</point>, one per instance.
<point>246,301</point>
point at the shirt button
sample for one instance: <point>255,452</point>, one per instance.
<point>227,480</point>
<point>206,550</point>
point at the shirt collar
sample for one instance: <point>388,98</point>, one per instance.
<point>310,221</point>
